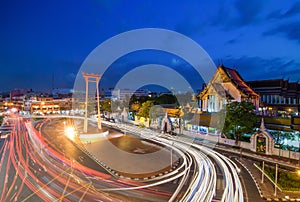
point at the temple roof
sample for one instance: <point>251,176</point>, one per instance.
<point>225,75</point>
<point>236,79</point>
<point>219,89</point>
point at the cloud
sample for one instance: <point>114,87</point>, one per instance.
<point>241,14</point>
<point>248,12</point>
<point>231,41</point>
<point>289,30</point>
<point>292,11</point>
<point>274,15</point>
<point>234,40</point>
<point>257,68</point>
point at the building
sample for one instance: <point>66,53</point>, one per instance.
<point>226,86</point>
<point>60,93</point>
<point>1,103</point>
<point>48,105</point>
<point>123,94</point>
<point>17,98</point>
<point>277,96</point>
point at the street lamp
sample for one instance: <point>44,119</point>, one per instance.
<point>70,132</point>
<point>298,172</point>
<point>276,178</point>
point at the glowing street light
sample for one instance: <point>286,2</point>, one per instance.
<point>70,132</point>
<point>298,172</point>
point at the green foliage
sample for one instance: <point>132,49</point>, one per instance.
<point>105,105</point>
<point>144,111</point>
<point>142,126</point>
<point>132,99</point>
<point>165,99</point>
<point>135,103</point>
<point>240,119</point>
<point>288,181</point>
<point>1,119</point>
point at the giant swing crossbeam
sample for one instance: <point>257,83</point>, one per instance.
<point>91,78</point>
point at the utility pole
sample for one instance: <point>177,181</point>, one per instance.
<point>263,172</point>
<point>276,178</point>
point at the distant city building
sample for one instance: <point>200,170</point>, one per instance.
<point>1,103</point>
<point>37,102</point>
<point>18,93</point>
<point>122,94</point>
<point>277,96</point>
<point>62,93</point>
<point>226,86</point>
<point>48,105</point>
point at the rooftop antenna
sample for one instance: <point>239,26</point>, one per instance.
<point>218,62</point>
<point>222,62</point>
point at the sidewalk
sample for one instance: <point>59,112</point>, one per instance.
<point>212,141</point>
<point>267,188</point>
<point>273,159</point>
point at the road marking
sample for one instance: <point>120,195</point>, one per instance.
<point>85,192</point>
<point>42,187</point>
<point>67,184</point>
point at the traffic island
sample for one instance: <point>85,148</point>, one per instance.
<point>88,138</point>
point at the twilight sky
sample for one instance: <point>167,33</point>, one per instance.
<point>38,39</point>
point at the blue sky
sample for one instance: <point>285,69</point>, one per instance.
<point>38,39</point>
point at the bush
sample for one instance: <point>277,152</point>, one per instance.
<point>288,181</point>
<point>142,126</point>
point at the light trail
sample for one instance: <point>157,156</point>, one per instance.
<point>30,153</point>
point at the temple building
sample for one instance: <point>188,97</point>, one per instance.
<point>278,96</point>
<point>226,86</point>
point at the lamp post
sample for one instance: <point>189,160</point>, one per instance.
<point>263,172</point>
<point>276,178</point>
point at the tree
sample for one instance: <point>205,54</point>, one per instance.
<point>106,106</point>
<point>135,106</point>
<point>165,99</point>
<point>144,111</point>
<point>240,119</point>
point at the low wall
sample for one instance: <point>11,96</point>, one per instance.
<point>286,153</point>
<point>245,145</point>
<point>89,138</point>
